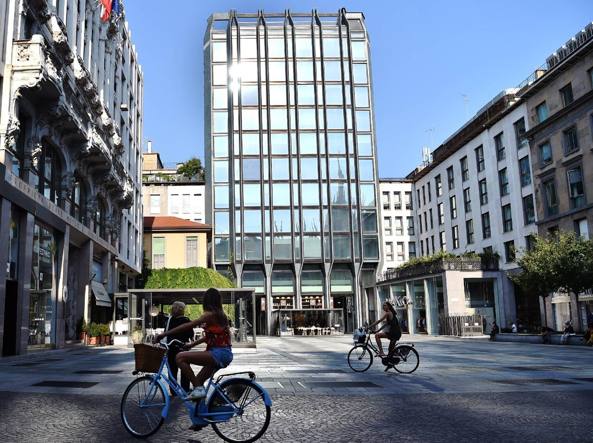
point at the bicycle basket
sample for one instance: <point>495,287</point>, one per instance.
<point>148,358</point>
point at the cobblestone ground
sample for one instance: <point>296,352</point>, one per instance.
<point>502,417</point>
<point>463,391</point>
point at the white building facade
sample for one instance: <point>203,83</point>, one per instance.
<point>397,222</point>
<point>70,180</point>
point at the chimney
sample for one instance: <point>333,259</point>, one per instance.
<point>149,146</point>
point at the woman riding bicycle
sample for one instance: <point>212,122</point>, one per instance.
<point>218,352</point>
<point>390,330</point>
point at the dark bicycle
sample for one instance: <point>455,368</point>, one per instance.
<point>401,357</point>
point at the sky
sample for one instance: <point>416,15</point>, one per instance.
<point>434,63</point>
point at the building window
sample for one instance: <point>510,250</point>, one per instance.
<point>486,231</point>
<point>499,146</point>
<point>158,252</point>
<point>46,174</point>
<point>408,200</point>
<point>100,218</point>
<point>455,235</point>
<point>590,71</point>
<point>529,242</point>
<point>450,177</point>
<point>430,215</point>
<point>438,185</point>
<point>541,111</point>
<point>389,251</point>
<point>464,169</point>
<point>420,222</point>
<point>566,95</point>
<point>545,154</point>
<point>410,225</point>
<point>571,141</point>
<point>509,251</point>
<point>581,228</point>
<point>412,249</point>
<point>175,203</point>
<point>78,202</point>
<point>467,200</point>
<point>155,203</point>
<point>425,222</point>
<point>423,196</point>
<point>503,181</point>
<point>524,171</point>
<point>528,209</point>
<point>387,225</point>
<point>401,256</point>
<point>576,191</point>
<point>483,187</point>
<point>441,213</point>
<point>421,248</point>
<point>453,207</point>
<point>191,252</point>
<point>507,218</point>
<point>429,192</point>
<point>469,231</point>
<point>480,158</point>
<point>386,197</point>
<point>443,240</point>
<point>520,139</point>
<point>399,226</point>
<point>551,198</point>
<point>397,200</point>
<point>418,195</point>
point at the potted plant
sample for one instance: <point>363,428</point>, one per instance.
<point>105,334</point>
<point>82,330</point>
<point>94,334</point>
<point>137,335</point>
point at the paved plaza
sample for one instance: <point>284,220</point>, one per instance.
<point>464,390</point>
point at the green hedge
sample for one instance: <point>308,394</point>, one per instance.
<point>189,278</point>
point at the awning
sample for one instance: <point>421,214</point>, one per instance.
<point>100,294</point>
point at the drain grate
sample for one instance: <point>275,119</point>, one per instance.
<point>341,384</point>
<point>66,384</point>
<point>99,371</point>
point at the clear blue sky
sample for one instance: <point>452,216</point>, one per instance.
<point>425,56</point>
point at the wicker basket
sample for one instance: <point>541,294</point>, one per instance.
<point>148,358</point>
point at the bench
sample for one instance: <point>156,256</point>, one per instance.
<point>576,339</point>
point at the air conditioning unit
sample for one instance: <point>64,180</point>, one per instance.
<point>552,60</point>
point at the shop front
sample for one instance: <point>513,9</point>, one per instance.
<point>308,322</point>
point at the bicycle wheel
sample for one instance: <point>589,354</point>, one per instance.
<point>141,407</point>
<point>360,358</point>
<point>409,359</point>
<point>250,422</point>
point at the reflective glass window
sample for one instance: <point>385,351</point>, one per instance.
<point>252,220</point>
<point>249,94</point>
<point>309,168</point>
<point>219,121</point>
<point>221,249</point>
<point>252,245</point>
<point>360,73</point>
<point>278,119</point>
<point>363,120</point>
<point>342,248</point>
<point>282,247</point>
<point>281,194</point>
<point>338,193</point>
<point>369,222</point>
<point>359,50</point>
<point>221,146</point>
<point>311,246</point>
<point>307,118</point>
<point>333,71</point>
<point>310,195</point>
<point>361,94</point>
<point>336,143</point>
<point>248,48</point>
<point>219,75</point>
<point>246,71</point>
<point>306,94</point>
<point>221,222</point>
<point>250,144</point>
<point>304,71</point>
<point>277,95</point>
<point>308,142</point>
<point>303,47</point>
<point>276,47</point>
<point>221,197</point>
<point>280,169</point>
<point>364,145</point>
<point>221,171</point>
<point>333,95</point>
<point>335,118</point>
<point>250,120</point>
<point>251,169</point>
<point>280,143</point>
<point>367,195</point>
<point>277,71</point>
<point>340,220</point>
<point>337,168</point>
<point>281,220</point>
<point>371,247</point>
<point>251,194</point>
<point>219,98</point>
<point>365,171</point>
<point>219,51</point>
<point>331,47</point>
<point>311,220</point>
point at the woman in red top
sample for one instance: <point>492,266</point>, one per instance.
<point>218,352</point>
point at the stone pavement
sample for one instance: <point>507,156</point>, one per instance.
<point>464,390</point>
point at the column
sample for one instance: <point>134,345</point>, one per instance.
<point>268,292</point>
<point>85,269</point>
<point>411,313</point>
<point>62,287</point>
<point>27,226</point>
<point>432,308</point>
<point>5,207</point>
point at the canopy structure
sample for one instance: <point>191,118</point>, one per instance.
<point>100,293</point>
<point>138,308</point>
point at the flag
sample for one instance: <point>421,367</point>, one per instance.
<point>106,9</point>
<point>116,7</point>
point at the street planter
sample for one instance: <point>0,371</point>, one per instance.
<point>93,341</point>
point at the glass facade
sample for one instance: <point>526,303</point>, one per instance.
<point>295,156</point>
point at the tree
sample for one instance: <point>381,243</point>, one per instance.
<point>559,263</point>
<point>191,168</point>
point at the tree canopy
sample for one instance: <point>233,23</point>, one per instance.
<point>191,168</point>
<point>188,278</point>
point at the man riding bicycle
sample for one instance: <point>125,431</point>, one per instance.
<point>390,329</point>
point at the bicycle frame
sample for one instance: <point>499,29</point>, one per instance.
<point>198,411</point>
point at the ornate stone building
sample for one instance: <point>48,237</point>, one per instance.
<point>70,143</point>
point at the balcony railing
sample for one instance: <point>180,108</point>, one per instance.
<point>441,265</point>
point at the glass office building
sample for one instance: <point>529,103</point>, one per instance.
<point>291,167</point>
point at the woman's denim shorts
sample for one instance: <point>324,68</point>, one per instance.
<point>222,356</point>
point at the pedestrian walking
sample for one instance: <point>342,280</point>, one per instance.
<point>495,330</point>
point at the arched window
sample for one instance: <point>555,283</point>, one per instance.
<point>78,201</point>
<point>100,218</point>
<point>47,173</point>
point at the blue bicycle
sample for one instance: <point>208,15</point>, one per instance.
<point>238,409</point>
